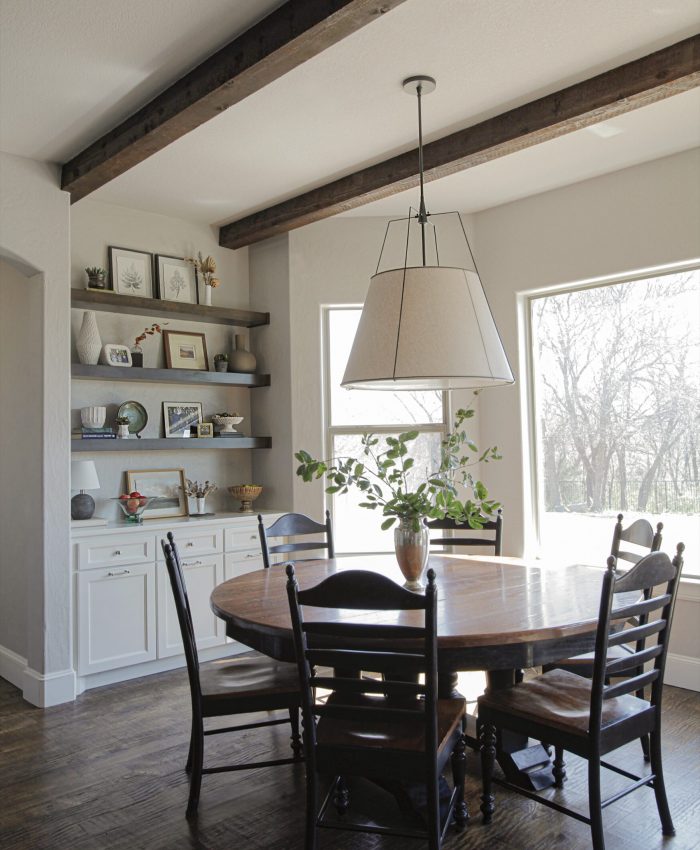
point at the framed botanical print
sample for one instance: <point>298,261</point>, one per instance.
<point>181,416</point>
<point>131,272</point>
<point>167,484</point>
<point>185,350</point>
<point>176,280</point>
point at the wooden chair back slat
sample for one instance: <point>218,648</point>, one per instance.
<point>629,686</point>
<point>361,590</point>
<point>360,630</point>
<point>293,525</point>
<point>637,633</point>
<point>635,660</point>
<point>494,541</point>
<point>372,662</point>
<point>367,686</point>
<point>639,533</point>
<point>640,608</point>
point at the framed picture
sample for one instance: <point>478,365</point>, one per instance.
<point>180,416</point>
<point>114,354</point>
<point>176,280</point>
<point>131,272</point>
<point>185,350</point>
<point>167,484</point>
<point>205,429</point>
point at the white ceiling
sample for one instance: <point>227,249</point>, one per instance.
<point>70,69</point>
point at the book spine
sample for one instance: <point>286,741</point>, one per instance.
<point>99,436</point>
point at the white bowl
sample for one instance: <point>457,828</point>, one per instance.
<point>93,417</point>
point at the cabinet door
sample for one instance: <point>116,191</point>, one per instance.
<point>116,617</point>
<point>202,574</point>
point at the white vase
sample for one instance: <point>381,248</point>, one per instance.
<point>200,501</point>
<point>93,417</point>
<point>88,343</point>
<point>207,295</point>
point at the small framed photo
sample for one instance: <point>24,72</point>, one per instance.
<point>205,429</point>
<point>167,484</point>
<point>180,417</point>
<point>115,355</point>
<point>131,272</point>
<point>185,350</point>
<point>176,280</point>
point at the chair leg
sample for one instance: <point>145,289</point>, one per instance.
<point>594,801</point>
<point>659,785</point>
<point>311,806</point>
<point>197,745</point>
<point>644,741</point>
<point>433,800</point>
<point>341,796</point>
<point>459,775</point>
<point>297,746</point>
<point>558,769</point>
<point>488,759</point>
<point>188,765</point>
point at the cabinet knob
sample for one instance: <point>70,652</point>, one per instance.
<point>189,545</point>
<point>119,573</point>
<point>117,551</point>
<point>253,536</point>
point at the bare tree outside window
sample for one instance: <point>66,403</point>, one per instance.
<point>617,384</point>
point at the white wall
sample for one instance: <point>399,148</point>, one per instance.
<point>95,226</point>
<point>34,236</point>
<point>21,412</point>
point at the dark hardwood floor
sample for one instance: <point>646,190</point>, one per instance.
<point>107,772</point>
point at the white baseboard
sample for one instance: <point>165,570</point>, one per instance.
<point>12,667</point>
<point>682,671</point>
<point>40,689</point>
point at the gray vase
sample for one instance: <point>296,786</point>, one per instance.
<point>241,359</point>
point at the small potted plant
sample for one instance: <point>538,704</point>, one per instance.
<point>123,423</point>
<point>97,277</point>
<point>221,362</point>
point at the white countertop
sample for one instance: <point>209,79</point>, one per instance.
<point>166,524</point>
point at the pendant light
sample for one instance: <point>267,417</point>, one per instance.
<point>428,326</point>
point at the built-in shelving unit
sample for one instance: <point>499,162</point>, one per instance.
<point>149,444</point>
<point>111,302</point>
<point>83,372</point>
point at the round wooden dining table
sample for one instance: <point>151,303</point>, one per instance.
<point>494,614</point>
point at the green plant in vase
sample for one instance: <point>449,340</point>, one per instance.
<point>387,476</point>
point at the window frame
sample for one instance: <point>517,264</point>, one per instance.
<point>330,430</point>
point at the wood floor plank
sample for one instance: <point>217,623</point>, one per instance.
<point>107,773</point>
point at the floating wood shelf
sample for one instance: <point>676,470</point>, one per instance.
<point>84,372</point>
<point>149,444</point>
<point>133,305</point>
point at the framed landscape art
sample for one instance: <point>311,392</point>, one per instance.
<point>131,272</point>
<point>167,484</point>
<point>185,350</point>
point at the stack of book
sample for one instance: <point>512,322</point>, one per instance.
<point>104,433</point>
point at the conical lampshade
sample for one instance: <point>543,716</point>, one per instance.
<point>428,327</point>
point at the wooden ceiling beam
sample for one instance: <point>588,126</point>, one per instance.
<point>667,72</point>
<point>293,33</point>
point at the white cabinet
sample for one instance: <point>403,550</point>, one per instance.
<point>124,612</point>
<point>202,574</point>
<point>116,617</point>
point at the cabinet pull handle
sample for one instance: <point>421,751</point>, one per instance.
<point>117,551</point>
<point>189,545</point>
<point>250,555</point>
<point>119,573</point>
<point>191,563</point>
<point>253,536</point>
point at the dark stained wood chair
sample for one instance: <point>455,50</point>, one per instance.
<point>294,525</point>
<point>587,716</point>
<point>488,540</point>
<point>237,685</point>
<point>640,534</point>
<point>390,729</point>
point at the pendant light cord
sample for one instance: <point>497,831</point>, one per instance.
<point>422,214</point>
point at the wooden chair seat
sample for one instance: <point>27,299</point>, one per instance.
<point>250,674</point>
<point>561,700</point>
<point>406,736</point>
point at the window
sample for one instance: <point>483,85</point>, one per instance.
<point>351,413</point>
<point>617,383</point>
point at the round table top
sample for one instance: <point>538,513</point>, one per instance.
<point>482,602</point>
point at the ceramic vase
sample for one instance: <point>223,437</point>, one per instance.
<point>200,504</point>
<point>123,431</point>
<point>93,417</point>
<point>207,295</point>
<point>411,550</point>
<point>241,359</point>
<point>88,343</point>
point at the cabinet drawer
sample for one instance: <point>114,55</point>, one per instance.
<point>116,617</point>
<point>239,563</point>
<point>195,543</point>
<point>115,550</point>
<point>242,537</point>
